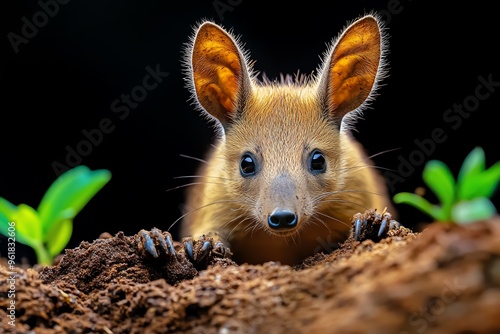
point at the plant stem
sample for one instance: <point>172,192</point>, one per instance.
<point>42,254</point>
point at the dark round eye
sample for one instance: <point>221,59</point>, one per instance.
<point>317,162</point>
<point>247,165</point>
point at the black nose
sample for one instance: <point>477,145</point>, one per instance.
<point>282,219</point>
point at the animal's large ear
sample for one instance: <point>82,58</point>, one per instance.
<point>352,68</point>
<point>218,72</point>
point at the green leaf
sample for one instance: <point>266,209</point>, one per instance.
<point>6,207</point>
<point>472,211</point>
<point>491,178</point>
<point>469,176</point>
<point>483,184</point>
<point>58,238</point>
<point>4,224</point>
<point>69,194</point>
<point>440,180</point>
<point>473,164</point>
<point>6,210</point>
<point>422,204</point>
<point>28,226</point>
<point>27,229</point>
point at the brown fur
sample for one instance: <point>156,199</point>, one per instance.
<point>281,124</point>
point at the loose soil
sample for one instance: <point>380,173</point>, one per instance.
<point>445,279</point>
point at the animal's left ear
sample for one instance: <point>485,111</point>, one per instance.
<point>352,68</point>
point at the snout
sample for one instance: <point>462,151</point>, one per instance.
<point>282,219</point>
<point>281,205</point>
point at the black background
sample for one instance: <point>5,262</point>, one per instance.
<point>64,79</point>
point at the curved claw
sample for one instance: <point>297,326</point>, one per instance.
<point>394,224</point>
<point>220,250</point>
<point>382,231</point>
<point>199,256</point>
<point>204,251</point>
<point>170,243</point>
<point>188,246</point>
<point>357,228</point>
<point>373,226</point>
<point>156,244</point>
<point>159,236</point>
<point>149,244</point>
<point>207,245</point>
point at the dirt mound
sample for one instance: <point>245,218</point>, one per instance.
<point>445,279</point>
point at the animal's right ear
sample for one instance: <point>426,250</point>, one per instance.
<point>218,72</point>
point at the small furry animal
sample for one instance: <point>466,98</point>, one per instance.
<point>285,175</point>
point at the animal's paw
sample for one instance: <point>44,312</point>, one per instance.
<point>202,251</point>
<point>372,225</point>
<point>156,243</point>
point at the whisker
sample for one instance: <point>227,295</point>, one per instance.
<point>200,176</point>
<point>237,225</point>
<point>199,208</point>
<point>193,158</point>
<point>315,219</point>
<point>230,221</point>
<point>249,228</point>
<point>296,238</point>
<point>253,226</point>
<point>359,167</point>
<point>291,239</point>
<point>364,191</point>
<point>195,183</point>
<point>343,201</point>
<point>333,218</point>
<point>191,184</point>
<point>337,192</point>
<point>364,160</point>
<point>200,159</point>
<point>383,152</point>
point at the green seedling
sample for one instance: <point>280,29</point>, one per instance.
<point>48,229</point>
<point>462,201</point>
